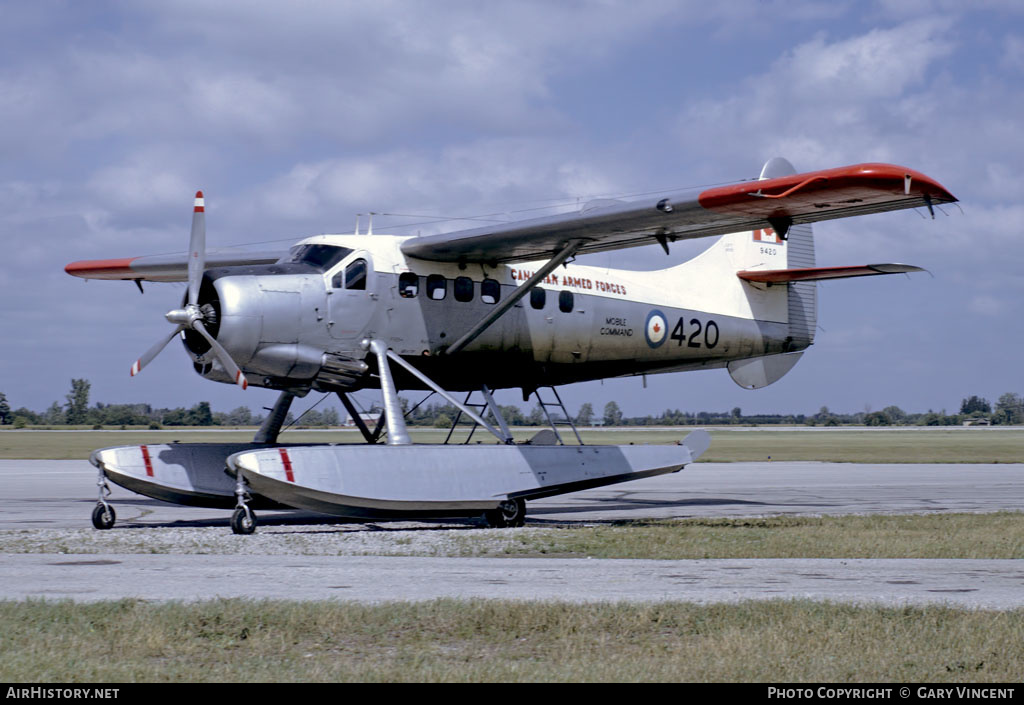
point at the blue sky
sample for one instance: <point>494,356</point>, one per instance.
<point>293,117</point>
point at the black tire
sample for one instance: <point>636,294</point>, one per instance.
<point>509,514</point>
<point>243,521</point>
<point>103,516</point>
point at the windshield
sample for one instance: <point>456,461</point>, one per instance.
<point>323,257</point>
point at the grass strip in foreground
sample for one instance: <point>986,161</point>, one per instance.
<point>449,640</point>
<point>998,535</point>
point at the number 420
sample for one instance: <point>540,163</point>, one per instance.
<point>710,337</point>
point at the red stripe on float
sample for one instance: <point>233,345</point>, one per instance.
<point>146,459</point>
<point>287,464</point>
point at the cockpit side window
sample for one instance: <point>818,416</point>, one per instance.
<point>355,275</point>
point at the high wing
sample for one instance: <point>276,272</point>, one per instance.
<point>779,202</point>
<point>164,268</point>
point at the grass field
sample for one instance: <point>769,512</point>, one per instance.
<point>847,445</point>
<point>447,640</point>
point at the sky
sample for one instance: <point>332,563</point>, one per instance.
<point>294,117</point>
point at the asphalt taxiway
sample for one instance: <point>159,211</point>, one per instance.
<point>61,494</point>
<point>58,496</point>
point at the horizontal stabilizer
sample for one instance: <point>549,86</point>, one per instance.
<point>778,276</point>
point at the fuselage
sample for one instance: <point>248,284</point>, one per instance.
<point>303,322</point>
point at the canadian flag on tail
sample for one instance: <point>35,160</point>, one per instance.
<point>767,235</point>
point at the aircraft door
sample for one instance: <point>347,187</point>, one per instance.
<point>352,295</point>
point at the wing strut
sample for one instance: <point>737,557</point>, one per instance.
<point>565,253</point>
<point>384,353</point>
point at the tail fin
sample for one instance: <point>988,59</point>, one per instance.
<point>793,304</point>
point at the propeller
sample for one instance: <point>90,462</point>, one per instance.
<point>192,316</point>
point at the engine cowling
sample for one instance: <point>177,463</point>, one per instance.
<point>270,322</point>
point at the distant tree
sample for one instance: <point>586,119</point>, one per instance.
<point>26,415</point>
<point>537,417</point>
<point>330,417</point>
<point>876,418</point>
<point>612,414</point>
<point>736,414</point>
<point>975,404</point>
<point>312,418</point>
<point>77,407</point>
<point>173,417</point>
<point>241,416</point>
<point>442,421</point>
<point>199,415</point>
<point>5,410</point>
<point>1009,409</point>
<point>586,415</point>
<point>514,416</point>
<point>896,415</point>
<point>54,416</point>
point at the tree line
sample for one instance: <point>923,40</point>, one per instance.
<point>75,411</point>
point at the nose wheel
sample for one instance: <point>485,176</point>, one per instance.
<point>103,515</point>
<point>510,513</point>
<point>243,520</point>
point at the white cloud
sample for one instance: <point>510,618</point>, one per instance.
<point>461,180</point>
<point>989,306</point>
<point>1013,53</point>
<point>825,102</point>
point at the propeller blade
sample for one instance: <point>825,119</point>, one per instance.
<point>197,249</point>
<point>147,357</point>
<point>222,355</point>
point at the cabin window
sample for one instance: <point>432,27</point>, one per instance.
<point>538,297</point>
<point>490,291</point>
<point>437,287</point>
<point>408,285</point>
<point>565,301</point>
<point>463,289</point>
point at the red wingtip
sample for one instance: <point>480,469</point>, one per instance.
<point>200,202</point>
<point>199,194</point>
